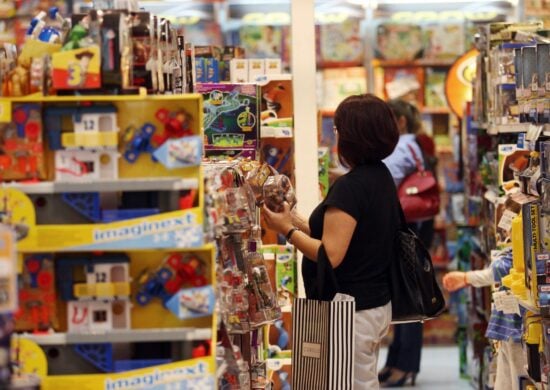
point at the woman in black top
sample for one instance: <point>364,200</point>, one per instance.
<point>355,225</point>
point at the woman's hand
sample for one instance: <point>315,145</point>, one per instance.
<point>280,222</point>
<point>455,280</point>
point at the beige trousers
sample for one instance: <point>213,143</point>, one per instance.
<point>370,327</point>
<point>511,364</point>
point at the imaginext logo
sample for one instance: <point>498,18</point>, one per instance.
<point>158,377</point>
<point>143,228</point>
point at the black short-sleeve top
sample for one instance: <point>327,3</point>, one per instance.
<point>368,194</point>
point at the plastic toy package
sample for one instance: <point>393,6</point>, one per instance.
<point>276,191</point>
<point>271,188</point>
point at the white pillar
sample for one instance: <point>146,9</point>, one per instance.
<point>305,109</point>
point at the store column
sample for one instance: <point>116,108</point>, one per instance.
<point>305,109</point>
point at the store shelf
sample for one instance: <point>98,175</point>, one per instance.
<point>539,12</point>
<point>327,113</point>
<point>435,110</point>
<point>276,132</point>
<point>421,62</point>
<point>122,336</point>
<point>140,96</point>
<point>155,184</point>
<point>507,129</point>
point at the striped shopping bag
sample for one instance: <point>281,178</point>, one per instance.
<point>323,343</point>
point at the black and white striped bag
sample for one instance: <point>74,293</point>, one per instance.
<point>323,343</point>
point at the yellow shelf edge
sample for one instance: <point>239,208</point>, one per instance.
<point>39,98</point>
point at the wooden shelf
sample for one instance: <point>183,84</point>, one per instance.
<point>435,110</point>
<point>537,12</point>
<point>405,63</point>
<point>327,113</point>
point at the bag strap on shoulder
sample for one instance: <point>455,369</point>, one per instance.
<point>419,165</point>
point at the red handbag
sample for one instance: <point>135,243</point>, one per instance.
<point>419,193</point>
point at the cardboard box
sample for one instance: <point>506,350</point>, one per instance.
<point>238,70</point>
<point>77,69</point>
<point>256,68</point>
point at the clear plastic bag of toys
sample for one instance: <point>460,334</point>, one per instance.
<point>277,190</point>
<point>257,177</point>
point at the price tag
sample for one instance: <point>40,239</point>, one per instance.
<point>506,302</point>
<point>505,222</point>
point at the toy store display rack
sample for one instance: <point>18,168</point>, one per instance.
<point>110,238</point>
<point>506,152</point>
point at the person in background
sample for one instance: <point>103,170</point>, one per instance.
<point>354,226</point>
<point>503,328</point>
<point>403,360</point>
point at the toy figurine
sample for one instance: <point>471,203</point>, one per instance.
<point>140,142</point>
<point>176,125</point>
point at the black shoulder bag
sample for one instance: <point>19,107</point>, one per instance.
<point>415,294</point>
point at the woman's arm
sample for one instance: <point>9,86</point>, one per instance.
<point>300,222</point>
<point>338,228</point>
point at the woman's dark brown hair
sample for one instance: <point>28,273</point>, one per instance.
<point>367,130</point>
<point>409,111</point>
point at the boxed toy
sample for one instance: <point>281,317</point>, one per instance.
<point>506,106</point>
<point>337,84</point>
<point>398,41</point>
<point>281,265</point>
<point>341,43</point>
<point>405,81</point>
<point>531,241</point>
<point>278,152</point>
<point>529,62</point>
<point>231,116</point>
<point>511,162</point>
<point>435,88</point>
<point>238,70</point>
<point>543,68</point>
<point>507,208</point>
<point>77,69</point>
<point>261,41</point>
<point>256,68</point>
<point>443,41</point>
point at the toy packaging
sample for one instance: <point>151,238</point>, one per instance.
<point>77,69</point>
<point>22,145</point>
<point>231,117</point>
<point>443,41</point>
<point>543,68</point>
<point>279,153</point>
<point>276,191</point>
<point>398,41</point>
<point>276,105</point>
<point>401,81</point>
<point>506,209</point>
<point>338,84</point>
<point>341,43</point>
<point>511,161</point>
<point>281,264</point>
<point>435,88</point>
<point>261,41</point>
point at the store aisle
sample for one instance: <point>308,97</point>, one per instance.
<point>439,369</point>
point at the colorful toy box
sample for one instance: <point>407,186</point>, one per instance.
<point>231,116</point>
